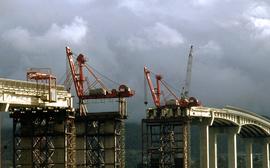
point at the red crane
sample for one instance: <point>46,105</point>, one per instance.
<point>156,92</point>
<point>184,101</point>
<point>84,88</point>
<point>44,76</point>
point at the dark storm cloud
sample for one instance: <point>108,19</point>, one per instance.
<point>231,40</point>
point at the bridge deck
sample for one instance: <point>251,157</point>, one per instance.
<point>17,93</point>
<point>249,123</point>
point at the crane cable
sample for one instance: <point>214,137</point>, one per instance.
<point>104,76</point>
<point>169,85</point>
<point>99,73</point>
<point>165,84</point>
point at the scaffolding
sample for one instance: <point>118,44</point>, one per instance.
<point>100,140</point>
<point>43,138</point>
<point>165,141</point>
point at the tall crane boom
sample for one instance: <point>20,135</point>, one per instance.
<point>77,78</point>
<point>185,89</point>
<point>155,93</point>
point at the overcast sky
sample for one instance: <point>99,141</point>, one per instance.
<point>231,44</point>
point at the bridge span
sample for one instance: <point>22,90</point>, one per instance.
<point>233,121</point>
<point>164,138</point>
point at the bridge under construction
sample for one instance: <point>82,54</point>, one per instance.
<point>49,132</point>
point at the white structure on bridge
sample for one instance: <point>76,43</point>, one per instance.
<point>233,121</point>
<point>16,93</point>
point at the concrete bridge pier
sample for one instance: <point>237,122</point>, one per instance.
<point>249,153</point>
<point>208,144</point>
<point>213,147</point>
<point>266,154</point>
<point>204,145</point>
<point>232,146</point>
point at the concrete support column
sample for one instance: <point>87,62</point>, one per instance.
<point>1,150</point>
<point>204,146</point>
<point>249,154</point>
<point>212,148</point>
<point>3,108</point>
<point>232,149</point>
<point>266,155</point>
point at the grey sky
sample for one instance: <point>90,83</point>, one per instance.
<point>231,43</point>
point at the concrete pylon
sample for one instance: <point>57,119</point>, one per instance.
<point>3,108</point>
<point>249,154</point>
<point>204,146</point>
<point>212,147</point>
<point>266,154</point>
<point>232,146</point>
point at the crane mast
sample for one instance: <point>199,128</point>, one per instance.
<point>185,89</point>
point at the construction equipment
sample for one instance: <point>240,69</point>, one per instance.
<point>44,76</point>
<point>184,101</point>
<point>156,92</point>
<point>89,90</point>
<point>185,89</point>
<point>192,101</point>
